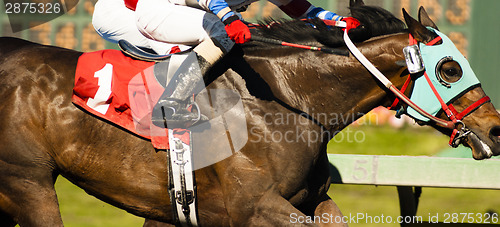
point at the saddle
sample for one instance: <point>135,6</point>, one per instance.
<point>144,54</point>
<point>121,89</point>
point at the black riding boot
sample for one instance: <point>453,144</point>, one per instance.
<point>171,110</point>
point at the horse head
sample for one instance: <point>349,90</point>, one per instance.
<point>455,97</point>
<point>448,89</point>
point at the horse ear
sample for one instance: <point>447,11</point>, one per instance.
<point>424,18</point>
<point>417,30</point>
<point>354,3</point>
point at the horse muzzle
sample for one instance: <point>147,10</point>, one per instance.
<point>483,147</point>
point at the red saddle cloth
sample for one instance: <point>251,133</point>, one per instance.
<point>120,90</point>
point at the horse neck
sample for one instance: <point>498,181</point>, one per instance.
<point>334,90</point>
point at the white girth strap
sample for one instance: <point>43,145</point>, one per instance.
<point>183,193</point>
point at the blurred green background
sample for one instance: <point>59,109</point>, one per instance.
<point>471,24</point>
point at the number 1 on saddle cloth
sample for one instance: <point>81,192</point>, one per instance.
<point>176,107</point>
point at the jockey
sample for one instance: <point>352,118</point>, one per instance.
<point>166,25</point>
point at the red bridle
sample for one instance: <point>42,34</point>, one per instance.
<point>450,111</point>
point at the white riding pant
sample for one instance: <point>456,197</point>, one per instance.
<point>158,24</point>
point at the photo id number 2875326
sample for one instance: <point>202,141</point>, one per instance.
<point>32,8</point>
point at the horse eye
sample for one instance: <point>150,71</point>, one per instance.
<point>449,71</point>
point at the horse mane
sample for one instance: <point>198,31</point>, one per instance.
<point>375,22</point>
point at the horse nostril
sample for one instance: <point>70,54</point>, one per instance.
<point>495,134</point>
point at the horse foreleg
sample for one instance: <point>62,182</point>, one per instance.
<point>28,200</point>
<point>329,212</point>
<point>274,210</point>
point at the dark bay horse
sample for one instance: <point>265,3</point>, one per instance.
<point>266,183</point>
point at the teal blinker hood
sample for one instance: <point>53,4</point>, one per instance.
<point>423,95</point>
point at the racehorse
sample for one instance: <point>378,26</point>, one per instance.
<point>266,183</point>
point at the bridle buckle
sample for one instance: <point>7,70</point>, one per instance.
<point>414,59</point>
<point>458,134</point>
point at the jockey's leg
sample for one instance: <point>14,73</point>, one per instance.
<point>167,22</point>
<point>187,80</point>
<point>113,21</point>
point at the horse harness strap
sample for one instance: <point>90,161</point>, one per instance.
<point>181,181</point>
<point>469,109</point>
